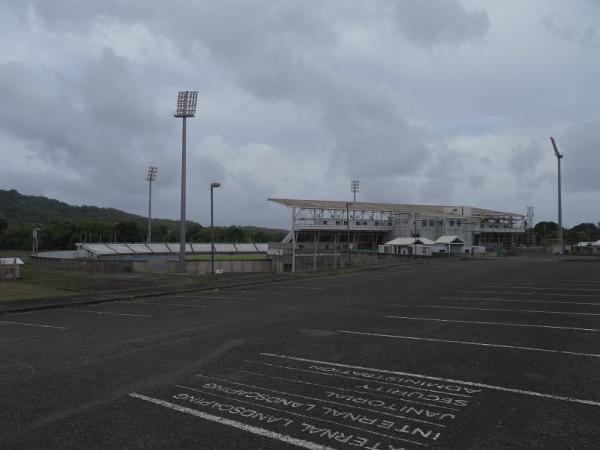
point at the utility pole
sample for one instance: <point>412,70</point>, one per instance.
<point>186,107</point>
<point>152,173</point>
<point>559,233</point>
<point>348,225</point>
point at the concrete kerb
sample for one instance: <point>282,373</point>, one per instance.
<point>64,303</point>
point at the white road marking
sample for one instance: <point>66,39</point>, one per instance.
<point>302,287</point>
<point>33,325</point>
<point>206,392</point>
<point>481,344</point>
<point>549,288</point>
<point>323,400</point>
<point>519,301</point>
<point>447,380</point>
<point>192,297</point>
<point>433,405</point>
<point>136,302</point>
<point>496,323</point>
<point>105,312</point>
<point>405,386</point>
<point>497,309</point>
<point>233,423</point>
<point>553,294</point>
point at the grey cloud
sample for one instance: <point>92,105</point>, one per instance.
<point>524,159</point>
<point>436,22</point>
<point>586,38</point>
<point>581,161</point>
<point>100,125</point>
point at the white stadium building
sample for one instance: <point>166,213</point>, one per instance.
<point>340,224</point>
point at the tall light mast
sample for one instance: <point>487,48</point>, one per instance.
<point>150,178</point>
<point>354,188</point>
<point>186,107</point>
<point>559,233</point>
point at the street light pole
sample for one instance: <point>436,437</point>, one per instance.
<point>347,226</point>
<point>186,107</point>
<point>152,172</point>
<point>559,232</point>
<point>212,232</point>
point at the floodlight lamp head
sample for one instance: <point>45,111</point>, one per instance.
<point>186,104</point>
<point>152,173</point>
<point>215,185</point>
<point>354,185</point>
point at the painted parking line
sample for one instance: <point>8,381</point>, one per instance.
<point>304,416</point>
<point>315,399</point>
<point>549,288</point>
<point>520,300</point>
<point>566,313</point>
<point>10,322</point>
<point>412,387</point>
<point>495,323</point>
<point>233,423</point>
<point>442,379</point>
<point>135,302</point>
<point>91,311</point>
<point>293,380</point>
<point>300,287</point>
<point>212,297</point>
<point>480,344</point>
<point>550,294</point>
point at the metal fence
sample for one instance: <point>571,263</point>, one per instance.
<point>82,265</point>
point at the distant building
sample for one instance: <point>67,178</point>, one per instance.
<point>10,268</point>
<point>339,224</point>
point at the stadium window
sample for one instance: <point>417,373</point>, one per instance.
<point>376,223</point>
<point>431,223</point>
<point>458,223</point>
<point>452,223</point>
<point>337,222</point>
<point>424,223</point>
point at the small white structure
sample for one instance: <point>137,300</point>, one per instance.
<point>10,268</point>
<point>451,244</point>
<point>408,246</point>
<point>595,247</point>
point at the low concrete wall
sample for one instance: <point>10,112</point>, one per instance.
<point>199,267</point>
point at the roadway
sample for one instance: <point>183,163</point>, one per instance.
<point>465,354</point>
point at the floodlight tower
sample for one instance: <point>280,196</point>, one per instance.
<point>354,188</point>
<point>186,107</point>
<point>152,173</point>
<point>559,234</point>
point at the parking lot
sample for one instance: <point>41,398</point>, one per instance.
<point>501,353</point>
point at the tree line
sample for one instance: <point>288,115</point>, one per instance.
<point>63,235</point>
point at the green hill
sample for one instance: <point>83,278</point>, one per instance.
<point>16,208</point>
<point>62,225</point>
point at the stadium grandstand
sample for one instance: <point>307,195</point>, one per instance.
<point>103,250</point>
<point>361,225</point>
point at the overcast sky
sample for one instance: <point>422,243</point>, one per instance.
<point>424,101</point>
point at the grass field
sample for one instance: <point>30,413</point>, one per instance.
<point>20,290</point>
<point>228,258</point>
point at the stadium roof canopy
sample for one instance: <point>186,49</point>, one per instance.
<point>395,207</point>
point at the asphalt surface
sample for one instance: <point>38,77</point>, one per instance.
<point>466,354</point>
